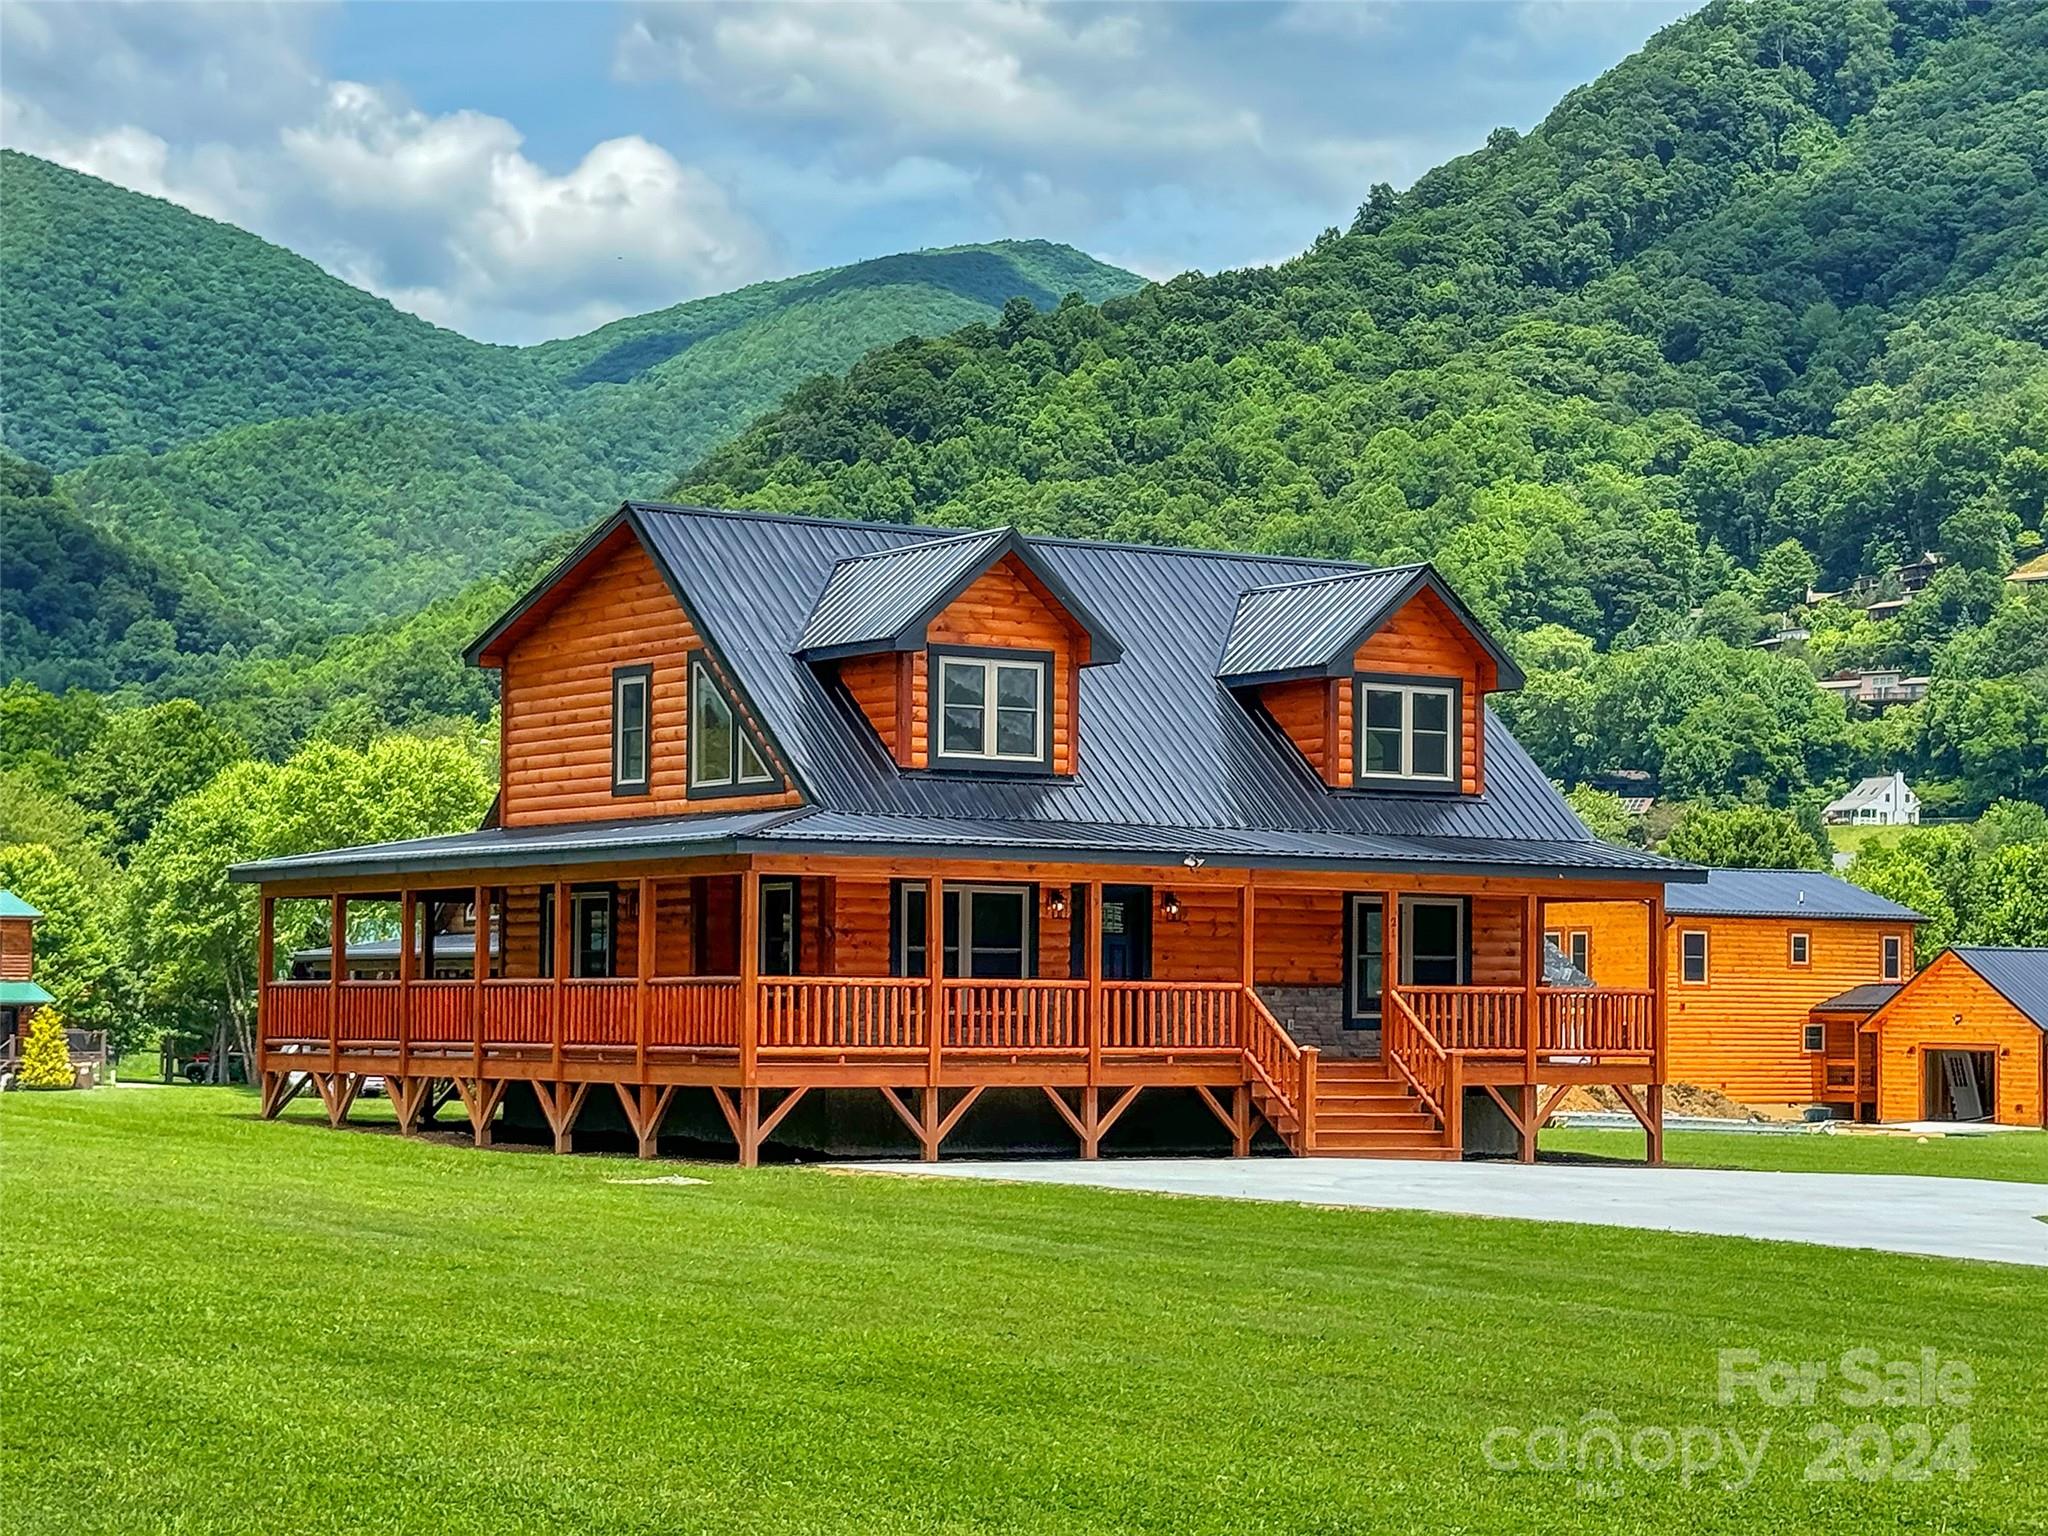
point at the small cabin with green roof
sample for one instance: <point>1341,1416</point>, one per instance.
<point>19,995</point>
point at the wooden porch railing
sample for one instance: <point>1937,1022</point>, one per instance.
<point>294,1013</point>
<point>843,1013</point>
<point>1285,1071</point>
<point>1596,1021</point>
<point>693,1012</point>
<point>367,1013</point>
<point>1170,1015</point>
<point>518,1011</point>
<point>598,1011</point>
<point>441,1012</point>
<point>1018,1016</point>
<point>1592,1022</point>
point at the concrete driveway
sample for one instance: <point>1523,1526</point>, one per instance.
<point>1951,1218</point>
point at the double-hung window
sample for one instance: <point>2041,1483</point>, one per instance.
<point>723,757</point>
<point>1692,955</point>
<point>632,689</point>
<point>1894,957</point>
<point>1407,732</point>
<point>992,710</point>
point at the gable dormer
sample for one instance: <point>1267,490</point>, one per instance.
<point>613,703</point>
<point>1378,678</point>
<point>963,653</point>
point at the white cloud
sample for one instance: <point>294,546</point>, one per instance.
<point>444,215</point>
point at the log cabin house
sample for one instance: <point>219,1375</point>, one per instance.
<point>1770,976</point>
<point>791,806</point>
<point>1964,1040</point>
<point>20,996</point>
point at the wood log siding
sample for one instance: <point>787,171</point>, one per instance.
<point>1743,1031</point>
<point>557,691</point>
<point>1924,1018</point>
<point>17,949</point>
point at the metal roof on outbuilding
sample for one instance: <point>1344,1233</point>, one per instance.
<point>2020,976</point>
<point>1781,893</point>
<point>1867,998</point>
<point>12,905</point>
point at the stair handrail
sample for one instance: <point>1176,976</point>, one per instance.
<point>1396,1045</point>
<point>1265,1035</point>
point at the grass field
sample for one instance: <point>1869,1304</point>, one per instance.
<point>2021,1157</point>
<point>214,1324</point>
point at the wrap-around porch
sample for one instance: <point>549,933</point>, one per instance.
<point>1346,1013</point>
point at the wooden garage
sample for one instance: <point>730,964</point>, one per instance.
<point>1964,1039</point>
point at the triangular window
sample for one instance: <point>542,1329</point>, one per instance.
<point>724,758</point>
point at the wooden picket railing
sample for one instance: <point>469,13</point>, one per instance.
<point>1019,1016</point>
<point>367,1013</point>
<point>519,1012</point>
<point>1282,1069</point>
<point>1170,1015</point>
<point>701,1012</point>
<point>442,1013</point>
<point>848,1014</point>
<point>294,1013</point>
<point>1596,1021</point>
<point>598,1012</point>
<point>1478,1021</point>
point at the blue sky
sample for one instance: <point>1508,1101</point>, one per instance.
<point>525,171</point>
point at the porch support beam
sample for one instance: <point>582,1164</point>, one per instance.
<point>643,972</point>
<point>280,1088</point>
<point>561,970</point>
<point>480,1100</point>
<point>560,1102</point>
<point>1532,980</point>
<point>480,968</point>
<point>645,1107</point>
<point>337,961</point>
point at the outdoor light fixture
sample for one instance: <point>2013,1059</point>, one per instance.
<point>1169,907</point>
<point>1194,861</point>
<point>1056,901</point>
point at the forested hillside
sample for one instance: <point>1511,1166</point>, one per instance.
<point>1762,310</point>
<point>230,415</point>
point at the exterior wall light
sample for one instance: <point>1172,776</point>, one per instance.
<point>1169,907</point>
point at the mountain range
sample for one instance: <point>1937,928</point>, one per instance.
<point>250,448</point>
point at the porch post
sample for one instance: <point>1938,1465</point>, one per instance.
<point>643,970</point>
<point>1532,978</point>
<point>1390,958</point>
<point>556,996</point>
<point>934,1010</point>
<point>750,1015</point>
<point>1658,1024</point>
<point>1091,1094</point>
<point>337,957</point>
<point>266,968</point>
<point>408,922</point>
<point>480,967</point>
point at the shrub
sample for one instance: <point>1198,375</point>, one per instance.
<point>45,1057</point>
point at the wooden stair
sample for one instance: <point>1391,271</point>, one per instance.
<point>1366,1109</point>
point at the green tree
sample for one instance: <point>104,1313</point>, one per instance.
<point>1786,574</point>
<point>147,758</point>
<point>1743,837</point>
<point>1605,817</point>
<point>79,958</point>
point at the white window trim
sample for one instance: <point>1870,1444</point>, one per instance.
<point>1408,693</point>
<point>621,683</point>
<point>988,666</point>
<point>702,685</point>
<point>1892,957</point>
<point>1706,957</point>
<point>1799,948</point>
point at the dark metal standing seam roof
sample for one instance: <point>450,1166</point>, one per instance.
<point>873,598</point>
<point>2019,975</point>
<point>1867,998</point>
<point>1170,761</point>
<point>1296,628</point>
<point>1781,893</point>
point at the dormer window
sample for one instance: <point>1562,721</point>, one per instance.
<point>630,710</point>
<point>992,708</point>
<point>1407,732</point>
<point>723,757</point>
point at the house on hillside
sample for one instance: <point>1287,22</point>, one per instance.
<point>1762,962</point>
<point>1000,838</point>
<point>1963,1040</point>
<point>1876,690</point>
<point>1886,800</point>
<point>2031,571</point>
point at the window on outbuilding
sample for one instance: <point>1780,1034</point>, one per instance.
<point>1692,955</point>
<point>1801,949</point>
<point>1894,958</point>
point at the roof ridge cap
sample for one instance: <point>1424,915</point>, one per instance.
<point>1356,574</point>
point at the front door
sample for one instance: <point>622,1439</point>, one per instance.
<point>1126,933</point>
<point>1432,951</point>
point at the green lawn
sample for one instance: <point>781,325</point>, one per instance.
<point>2021,1157</point>
<point>214,1324</point>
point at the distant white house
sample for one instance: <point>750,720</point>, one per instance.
<point>1876,802</point>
